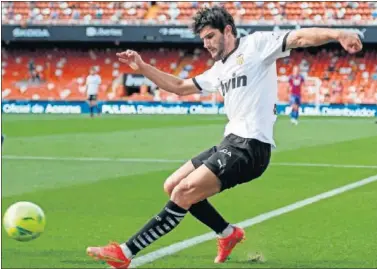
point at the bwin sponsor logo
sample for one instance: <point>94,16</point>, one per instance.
<point>233,83</point>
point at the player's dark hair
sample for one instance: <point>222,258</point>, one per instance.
<point>216,17</point>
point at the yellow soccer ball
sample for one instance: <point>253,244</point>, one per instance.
<point>24,221</point>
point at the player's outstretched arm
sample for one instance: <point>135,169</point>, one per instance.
<point>163,80</point>
<point>312,37</point>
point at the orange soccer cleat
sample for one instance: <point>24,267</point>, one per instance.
<point>112,254</point>
<point>226,245</point>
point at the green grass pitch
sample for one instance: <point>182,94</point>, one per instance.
<point>91,202</point>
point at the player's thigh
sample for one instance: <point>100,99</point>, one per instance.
<point>291,100</point>
<point>234,164</point>
<point>295,101</point>
<point>298,101</point>
<point>182,172</point>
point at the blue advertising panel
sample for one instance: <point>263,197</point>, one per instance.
<point>183,108</point>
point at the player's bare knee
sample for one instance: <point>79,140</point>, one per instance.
<point>182,195</point>
<point>168,187</point>
<point>170,183</point>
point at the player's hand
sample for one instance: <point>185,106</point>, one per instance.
<point>132,58</point>
<point>350,42</point>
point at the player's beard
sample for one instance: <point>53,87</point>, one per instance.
<point>220,50</point>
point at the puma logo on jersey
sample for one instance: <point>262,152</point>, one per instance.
<point>233,83</point>
<point>227,152</point>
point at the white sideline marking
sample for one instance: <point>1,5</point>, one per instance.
<point>148,160</point>
<point>176,247</point>
<point>90,159</point>
<point>326,165</point>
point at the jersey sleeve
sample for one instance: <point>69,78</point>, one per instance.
<point>272,45</point>
<point>207,81</point>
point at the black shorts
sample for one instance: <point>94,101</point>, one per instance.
<point>92,97</point>
<point>236,160</point>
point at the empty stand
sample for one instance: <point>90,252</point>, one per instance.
<point>344,78</point>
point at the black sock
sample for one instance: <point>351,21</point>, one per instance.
<point>91,110</point>
<point>208,215</point>
<point>161,224</point>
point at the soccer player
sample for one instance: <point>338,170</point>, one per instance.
<point>295,83</point>
<point>93,81</point>
<point>245,74</point>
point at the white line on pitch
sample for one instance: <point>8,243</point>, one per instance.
<point>174,248</point>
<point>326,165</point>
<point>156,160</point>
<point>90,159</point>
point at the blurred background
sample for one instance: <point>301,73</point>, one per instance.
<point>48,49</point>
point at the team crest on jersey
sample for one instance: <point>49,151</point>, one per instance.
<point>239,59</point>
